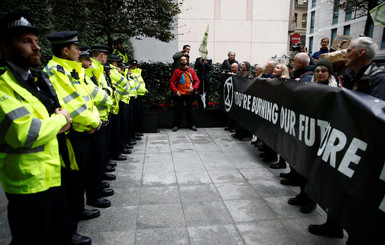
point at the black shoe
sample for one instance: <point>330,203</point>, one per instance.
<point>119,157</point>
<point>265,155</point>
<point>126,151</point>
<point>193,128</point>
<point>111,163</point>
<point>108,176</point>
<point>127,146</point>
<point>107,192</point>
<point>308,207</point>
<point>297,200</point>
<point>270,159</point>
<point>132,141</point>
<point>285,175</point>
<point>227,129</point>
<point>77,239</point>
<point>278,165</point>
<point>137,137</point>
<point>175,128</point>
<point>99,203</point>
<point>104,185</point>
<point>89,214</point>
<point>325,230</point>
<point>139,134</point>
<point>109,168</point>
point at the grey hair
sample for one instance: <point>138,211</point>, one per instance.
<point>369,45</point>
<point>304,58</point>
<point>274,63</point>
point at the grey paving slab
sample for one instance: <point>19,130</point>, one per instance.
<point>216,164</point>
<point>158,157</point>
<point>216,234</point>
<point>158,167</point>
<point>206,213</point>
<point>193,178</point>
<point>159,195</point>
<point>124,180</point>
<point>114,218</point>
<point>226,176</point>
<point>198,193</point>
<point>112,237</point>
<point>129,167</point>
<point>258,174</point>
<point>189,166</point>
<point>186,156</point>
<point>166,236</point>
<point>231,191</point>
<point>265,232</point>
<point>183,148</point>
<point>157,179</point>
<point>125,196</point>
<point>158,149</point>
<point>282,209</point>
<point>160,216</point>
<point>271,188</point>
<point>249,210</point>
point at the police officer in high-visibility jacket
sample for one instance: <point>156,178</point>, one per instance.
<point>96,188</point>
<point>31,121</point>
<point>138,102</point>
<point>65,73</point>
<point>98,73</point>
<point>119,50</point>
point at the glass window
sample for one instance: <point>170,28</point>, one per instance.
<point>304,17</point>
<point>336,9</point>
<point>312,22</point>
<point>348,10</point>
<point>310,45</point>
<point>295,19</point>
<point>334,34</point>
<point>313,3</point>
<point>347,30</point>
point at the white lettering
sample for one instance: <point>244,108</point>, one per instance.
<point>336,143</point>
<point>351,156</point>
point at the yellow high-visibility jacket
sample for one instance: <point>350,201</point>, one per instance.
<point>29,152</point>
<point>140,86</point>
<point>121,85</point>
<point>67,78</point>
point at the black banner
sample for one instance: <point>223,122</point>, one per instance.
<point>334,137</point>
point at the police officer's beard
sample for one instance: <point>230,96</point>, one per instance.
<point>32,60</point>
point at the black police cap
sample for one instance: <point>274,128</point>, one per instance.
<point>133,62</point>
<point>16,22</point>
<point>85,52</point>
<point>63,37</point>
<point>113,57</point>
<point>118,40</point>
<point>100,48</point>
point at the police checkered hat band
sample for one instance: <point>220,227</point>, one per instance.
<point>70,40</point>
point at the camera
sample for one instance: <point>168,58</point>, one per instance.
<point>298,47</point>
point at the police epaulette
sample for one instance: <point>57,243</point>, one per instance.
<point>60,68</point>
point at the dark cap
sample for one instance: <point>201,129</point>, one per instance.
<point>133,63</point>
<point>247,64</point>
<point>85,52</point>
<point>63,37</point>
<point>100,48</point>
<point>325,62</point>
<point>15,23</point>
<point>118,40</point>
<point>114,57</point>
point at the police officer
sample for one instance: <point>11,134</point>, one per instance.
<point>31,122</point>
<point>119,50</point>
<point>65,73</point>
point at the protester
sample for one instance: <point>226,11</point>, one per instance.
<point>203,68</point>
<point>245,68</point>
<point>324,49</point>
<point>281,71</point>
<point>176,57</point>
<point>226,64</point>
<point>183,83</point>
<point>271,64</point>
<point>259,70</point>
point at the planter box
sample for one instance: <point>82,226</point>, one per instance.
<point>151,121</point>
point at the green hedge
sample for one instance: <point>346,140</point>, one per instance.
<point>157,77</point>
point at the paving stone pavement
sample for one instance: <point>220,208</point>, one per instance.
<point>201,187</point>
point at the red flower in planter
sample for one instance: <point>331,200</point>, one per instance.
<point>210,103</point>
<point>194,103</point>
<point>161,105</point>
<point>217,103</point>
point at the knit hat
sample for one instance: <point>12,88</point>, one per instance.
<point>326,63</point>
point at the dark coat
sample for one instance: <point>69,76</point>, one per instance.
<point>203,70</point>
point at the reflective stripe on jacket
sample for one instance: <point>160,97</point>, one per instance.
<point>65,76</point>
<point>29,153</point>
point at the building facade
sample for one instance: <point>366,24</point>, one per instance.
<point>255,30</point>
<point>326,19</point>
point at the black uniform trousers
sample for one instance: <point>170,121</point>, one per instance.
<point>39,218</point>
<point>123,111</point>
<point>97,162</point>
<point>115,146</point>
<point>138,107</point>
<point>107,139</point>
<point>181,102</point>
<point>130,116</point>
<point>77,181</point>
